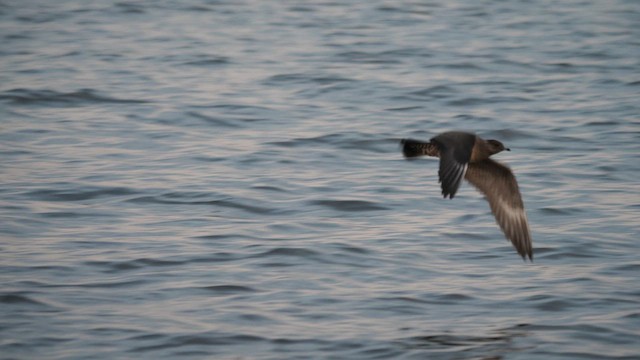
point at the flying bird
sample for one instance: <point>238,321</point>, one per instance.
<point>466,155</point>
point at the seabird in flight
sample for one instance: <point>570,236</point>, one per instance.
<point>466,155</point>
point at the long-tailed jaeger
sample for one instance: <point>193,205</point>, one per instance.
<point>465,155</point>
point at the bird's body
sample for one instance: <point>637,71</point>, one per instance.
<point>466,155</point>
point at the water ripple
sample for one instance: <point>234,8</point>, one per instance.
<point>229,289</point>
<point>223,180</point>
<point>205,339</point>
<point>18,299</point>
<point>180,199</point>
<point>349,205</point>
<point>79,195</point>
<point>32,97</point>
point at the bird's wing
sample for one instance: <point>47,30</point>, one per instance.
<point>500,188</point>
<point>455,153</point>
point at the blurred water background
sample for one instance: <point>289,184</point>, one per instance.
<point>222,179</point>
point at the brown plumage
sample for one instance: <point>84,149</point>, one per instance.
<point>465,155</point>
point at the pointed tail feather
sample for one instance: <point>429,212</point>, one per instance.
<point>414,148</point>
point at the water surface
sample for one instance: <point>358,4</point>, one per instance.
<point>222,179</point>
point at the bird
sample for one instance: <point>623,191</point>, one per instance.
<point>466,155</point>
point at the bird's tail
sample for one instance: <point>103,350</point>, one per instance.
<point>413,148</point>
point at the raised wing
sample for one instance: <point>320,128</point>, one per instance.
<point>455,153</point>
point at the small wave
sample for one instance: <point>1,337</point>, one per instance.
<point>269,188</point>
<point>405,108</point>
<point>466,218</point>
<point>454,297</point>
<point>633,315</point>
<point>244,109</point>
<point>203,339</point>
<point>471,345</point>
<point>466,235</point>
<point>403,299</point>
<point>561,211</point>
<point>128,8</point>
<point>603,123</point>
<point>569,326</point>
<point>17,36</point>
<point>18,299</point>
<point>458,66</point>
<point>116,266</point>
<point>87,194</point>
<point>305,78</point>
<point>554,305</point>
<point>208,60</point>
<point>368,57</point>
<point>433,92</point>
<point>11,300</point>
<point>217,237</point>
<point>413,11</point>
<point>91,285</point>
<point>287,256</point>
<point>107,284</point>
<point>198,8</point>
<point>627,268</point>
<point>215,121</point>
<point>288,251</point>
<point>71,214</point>
<point>209,159</point>
<point>569,253</point>
<point>16,153</point>
<point>50,97</point>
<point>349,205</point>
<point>348,141</point>
<point>225,203</point>
<point>229,289</point>
<point>353,249</point>
<point>218,257</point>
<point>489,100</point>
<point>514,63</point>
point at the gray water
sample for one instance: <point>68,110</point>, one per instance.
<point>222,179</point>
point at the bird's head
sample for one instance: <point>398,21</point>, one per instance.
<point>496,146</point>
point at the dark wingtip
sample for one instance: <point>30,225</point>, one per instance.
<point>446,194</point>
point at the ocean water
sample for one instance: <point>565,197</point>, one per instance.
<point>222,179</point>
